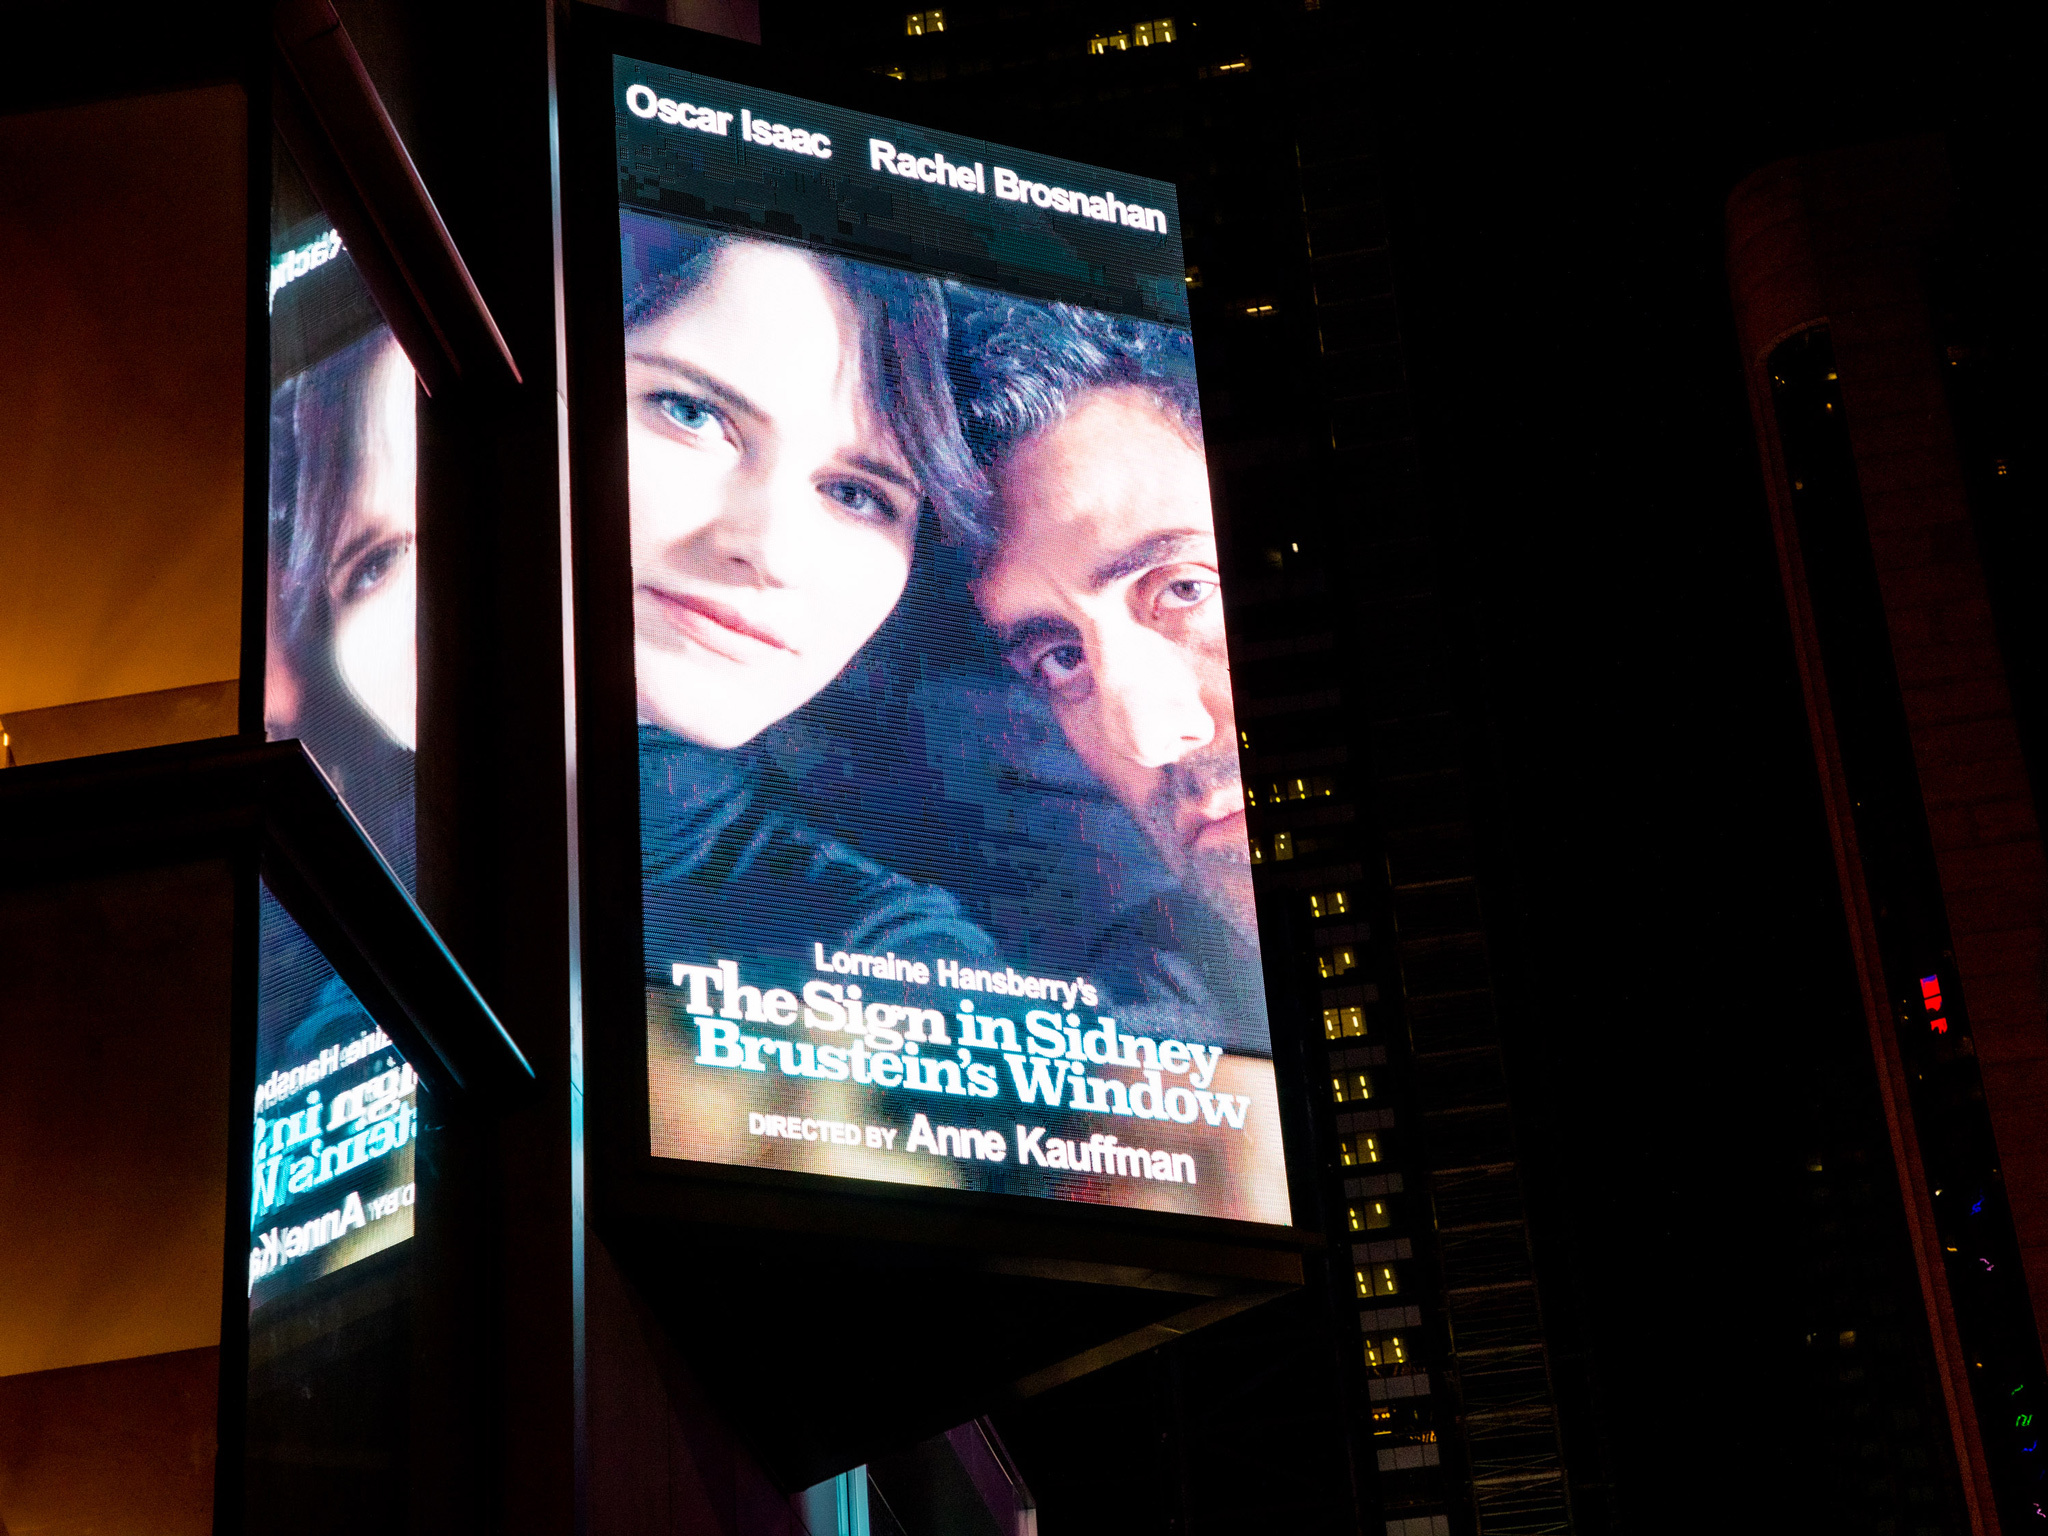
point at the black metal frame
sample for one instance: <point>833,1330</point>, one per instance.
<point>270,813</point>
<point>1198,1269</point>
<point>271,805</point>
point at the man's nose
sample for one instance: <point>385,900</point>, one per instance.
<point>1152,698</point>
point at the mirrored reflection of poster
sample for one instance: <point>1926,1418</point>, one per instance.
<point>336,1122</point>
<point>945,872</point>
<point>335,1117</point>
<point>340,673</point>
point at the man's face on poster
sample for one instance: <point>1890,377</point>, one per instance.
<point>1104,596</point>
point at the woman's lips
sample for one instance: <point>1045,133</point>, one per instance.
<point>714,626</point>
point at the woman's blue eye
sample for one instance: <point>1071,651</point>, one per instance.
<point>862,501</point>
<point>687,411</point>
<point>372,570</point>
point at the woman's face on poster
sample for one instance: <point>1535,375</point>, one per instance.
<point>371,586</point>
<point>773,513</point>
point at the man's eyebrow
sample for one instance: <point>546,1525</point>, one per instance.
<point>1027,632</point>
<point>723,393</point>
<point>1156,550</point>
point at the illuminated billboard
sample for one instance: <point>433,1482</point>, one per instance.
<point>945,877</point>
<point>335,1119</point>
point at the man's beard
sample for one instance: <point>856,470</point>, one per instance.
<point>1215,871</point>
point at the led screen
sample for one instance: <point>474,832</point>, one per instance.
<point>336,1122</point>
<point>340,673</point>
<point>944,866</point>
<point>335,1114</point>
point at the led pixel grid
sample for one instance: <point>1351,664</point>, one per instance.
<point>945,875</point>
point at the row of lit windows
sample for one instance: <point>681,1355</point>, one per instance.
<point>1384,1422</point>
<point>1369,1215</point>
<point>1343,1023</point>
<point>1278,790</point>
<point>1329,903</point>
<point>1143,35</point>
<point>918,23</point>
<point>1377,1280</point>
<point>1385,1349</point>
<point>1351,1087</point>
<point>1283,847</point>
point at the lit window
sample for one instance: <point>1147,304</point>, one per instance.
<point>894,71</point>
<point>1370,1216</point>
<point>1383,1350</point>
<point>1258,309</point>
<point>1360,1150</point>
<point>1194,280</point>
<point>1351,1087</point>
<point>1115,42</point>
<point>1377,1280</point>
<point>1335,962</point>
<point>918,23</point>
<point>1339,1023</point>
<point>1384,1280</point>
<point>1146,33</point>
<point>1244,738</point>
<point>1300,789</point>
<point>1283,845</point>
<point>1258,851</point>
<point>1327,903</point>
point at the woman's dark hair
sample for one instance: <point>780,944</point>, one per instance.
<point>318,441</point>
<point>903,351</point>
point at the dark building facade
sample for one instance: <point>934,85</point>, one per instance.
<point>1423,1365</point>
<point>1877,326</point>
<point>511,1346</point>
<point>1418,1361</point>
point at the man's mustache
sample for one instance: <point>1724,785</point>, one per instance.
<point>1191,779</point>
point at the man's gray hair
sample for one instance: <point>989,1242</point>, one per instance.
<point>1019,367</point>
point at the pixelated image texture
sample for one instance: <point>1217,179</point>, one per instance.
<point>899,930</point>
<point>844,204</point>
<point>336,1121</point>
<point>335,1117</point>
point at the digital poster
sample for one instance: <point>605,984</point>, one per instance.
<point>945,875</point>
<point>335,1118</point>
<point>335,1126</point>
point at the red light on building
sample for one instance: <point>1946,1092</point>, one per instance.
<point>1930,992</point>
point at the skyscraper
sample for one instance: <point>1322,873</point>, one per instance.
<point>1422,1364</point>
